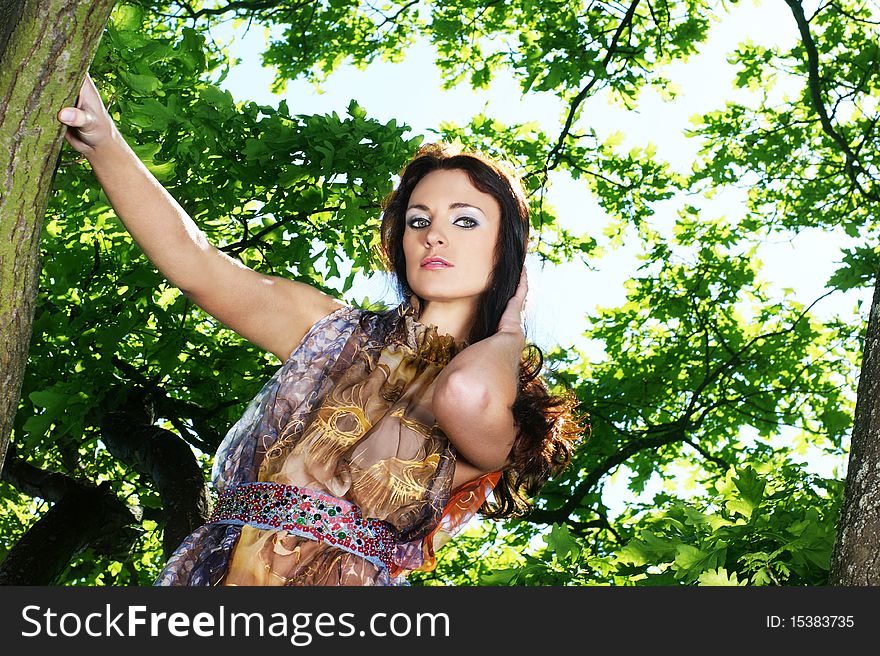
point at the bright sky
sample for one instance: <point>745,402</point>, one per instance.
<point>560,297</point>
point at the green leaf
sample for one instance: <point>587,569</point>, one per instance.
<point>167,297</point>
<point>740,507</point>
<point>499,577</point>
<point>688,557</point>
<point>719,576</point>
<point>146,151</point>
<point>750,486</point>
<point>164,171</point>
<point>217,98</point>
<point>48,398</point>
<point>144,85</point>
<point>150,501</point>
<point>127,17</point>
<point>356,111</point>
<point>560,540</point>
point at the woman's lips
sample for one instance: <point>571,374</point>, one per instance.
<point>435,263</point>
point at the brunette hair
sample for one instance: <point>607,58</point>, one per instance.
<point>547,425</point>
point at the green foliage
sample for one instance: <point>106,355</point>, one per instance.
<point>766,528</point>
<point>803,170</point>
<point>774,527</point>
<point>18,511</point>
<point>860,267</point>
<point>711,384</point>
<point>547,45</point>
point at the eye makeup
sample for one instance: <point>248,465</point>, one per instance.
<point>413,222</point>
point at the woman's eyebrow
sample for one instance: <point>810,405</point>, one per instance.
<point>452,206</point>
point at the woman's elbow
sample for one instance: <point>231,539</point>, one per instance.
<point>460,396</point>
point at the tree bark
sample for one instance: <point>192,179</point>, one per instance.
<point>10,12</point>
<point>856,556</point>
<point>47,47</point>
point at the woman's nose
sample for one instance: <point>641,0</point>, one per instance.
<point>434,235</point>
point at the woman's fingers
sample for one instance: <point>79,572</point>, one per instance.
<point>73,117</point>
<point>88,122</point>
<point>512,317</point>
<point>522,289</point>
<point>89,96</point>
<point>81,129</point>
<point>519,296</point>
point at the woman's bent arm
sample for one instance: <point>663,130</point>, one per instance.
<point>474,397</point>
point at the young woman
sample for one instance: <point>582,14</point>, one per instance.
<point>382,433</point>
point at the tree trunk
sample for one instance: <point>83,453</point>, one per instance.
<point>47,46</point>
<point>856,556</point>
<point>10,12</point>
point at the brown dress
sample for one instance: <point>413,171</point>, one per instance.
<point>348,415</point>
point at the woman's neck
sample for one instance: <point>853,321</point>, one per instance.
<point>450,318</point>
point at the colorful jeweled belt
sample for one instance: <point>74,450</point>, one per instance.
<point>307,513</point>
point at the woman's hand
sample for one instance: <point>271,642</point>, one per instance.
<point>512,318</point>
<point>89,124</point>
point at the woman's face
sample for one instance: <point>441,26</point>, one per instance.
<point>450,236</point>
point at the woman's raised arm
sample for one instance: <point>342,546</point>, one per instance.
<point>272,312</point>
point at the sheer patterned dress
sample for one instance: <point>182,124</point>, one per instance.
<point>348,416</point>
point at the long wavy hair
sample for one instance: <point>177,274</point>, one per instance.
<point>548,426</point>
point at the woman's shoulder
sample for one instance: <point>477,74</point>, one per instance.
<point>338,320</point>
<point>377,324</point>
<point>377,321</point>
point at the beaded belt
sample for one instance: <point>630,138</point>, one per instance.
<point>307,513</point>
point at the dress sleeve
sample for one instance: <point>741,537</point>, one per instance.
<point>290,390</point>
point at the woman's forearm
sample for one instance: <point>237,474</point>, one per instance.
<point>156,221</point>
<point>490,366</point>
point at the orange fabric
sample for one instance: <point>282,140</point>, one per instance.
<point>463,504</point>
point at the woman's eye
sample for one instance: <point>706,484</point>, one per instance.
<point>420,222</point>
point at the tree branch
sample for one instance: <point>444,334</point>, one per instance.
<point>668,433</point>
<point>33,481</point>
<point>165,458</point>
<point>83,516</point>
<point>851,163</point>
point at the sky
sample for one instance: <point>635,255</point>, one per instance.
<point>570,292</point>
